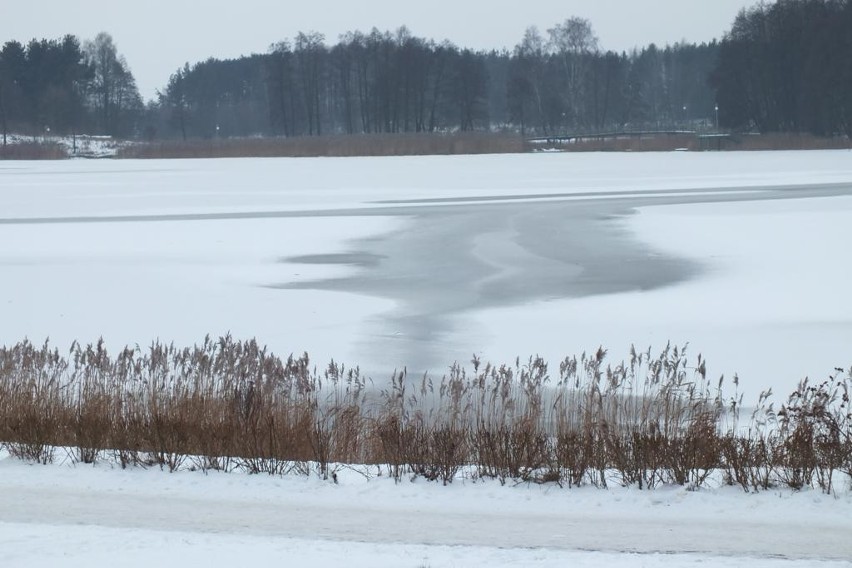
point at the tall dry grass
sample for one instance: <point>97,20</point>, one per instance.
<point>789,141</point>
<point>650,420</point>
<point>734,142</point>
<point>33,151</point>
<point>330,146</point>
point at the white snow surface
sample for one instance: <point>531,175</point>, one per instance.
<point>94,516</point>
<point>79,146</point>
<point>139,187</point>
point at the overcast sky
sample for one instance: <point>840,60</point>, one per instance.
<point>158,36</point>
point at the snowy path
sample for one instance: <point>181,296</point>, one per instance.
<point>390,521</point>
<point>32,546</point>
<point>571,530</point>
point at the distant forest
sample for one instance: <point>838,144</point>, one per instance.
<point>783,67</point>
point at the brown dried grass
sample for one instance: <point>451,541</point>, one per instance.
<point>788,141</point>
<point>225,405</point>
<point>330,146</point>
<point>33,151</point>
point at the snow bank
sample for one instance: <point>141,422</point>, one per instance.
<point>86,514</point>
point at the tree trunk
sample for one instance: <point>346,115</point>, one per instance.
<point>3,115</point>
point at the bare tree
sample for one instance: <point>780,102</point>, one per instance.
<point>528,78</point>
<point>175,98</point>
<point>575,44</point>
<point>282,94</point>
<point>310,53</point>
<point>113,86</point>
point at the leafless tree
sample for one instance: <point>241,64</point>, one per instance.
<point>114,91</point>
<point>574,43</point>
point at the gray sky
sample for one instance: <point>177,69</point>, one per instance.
<point>158,36</point>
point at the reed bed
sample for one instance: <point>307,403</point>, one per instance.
<point>32,151</point>
<point>330,146</point>
<point>227,405</point>
<point>789,141</point>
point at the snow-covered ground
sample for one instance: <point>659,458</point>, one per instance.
<point>75,516</point>
<point>80,146</point>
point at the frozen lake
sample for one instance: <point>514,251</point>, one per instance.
<point>419,262</point>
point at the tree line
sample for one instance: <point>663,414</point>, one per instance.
<point>66,87</point>
<point>787,67</point>
<point>392,82</point>
<point>783,67</point>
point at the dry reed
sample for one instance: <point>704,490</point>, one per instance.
<point>330,146</point>
<point>33,151</point>
<point>226,405</point>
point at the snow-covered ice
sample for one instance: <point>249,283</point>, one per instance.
<point>136,282</point>
<point>138,187</point>
<point>771,303</point>
<point>275,249</point>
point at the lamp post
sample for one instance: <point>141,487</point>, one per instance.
<point>717,116</point>
<point>684,117</point>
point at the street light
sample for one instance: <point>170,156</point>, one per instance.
<point>717,116</point>
<point>684,117</point>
